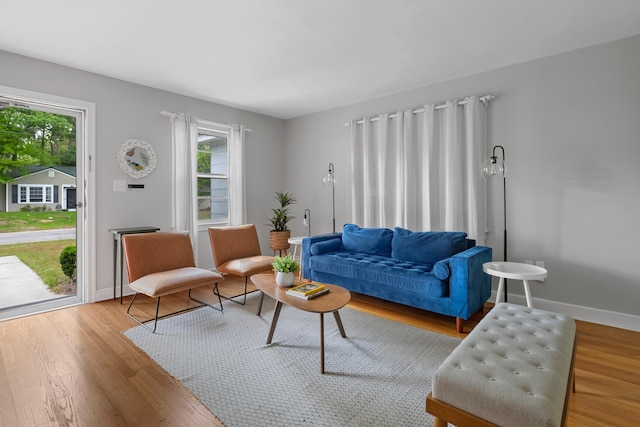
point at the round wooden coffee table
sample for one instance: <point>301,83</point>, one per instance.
<point>330,302</point>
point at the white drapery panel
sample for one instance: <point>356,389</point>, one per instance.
<point>237,189</point>
<point>421,170</point>
<point>184,131</point>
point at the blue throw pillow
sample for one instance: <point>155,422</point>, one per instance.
<point>326,246</point>
<point>426,247</point>
<point>372,241</point>
<point>441,269</point>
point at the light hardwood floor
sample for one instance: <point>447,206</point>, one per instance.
<point>73,367</point>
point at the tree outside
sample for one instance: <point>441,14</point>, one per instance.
<point>29,137</point>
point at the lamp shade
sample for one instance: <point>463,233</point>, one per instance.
<point>307,220</point>
<point>493,168</point>
<point>329,178</point>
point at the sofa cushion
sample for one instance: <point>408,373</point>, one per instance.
<point>325,246</point>
<point>426,247</point>
<point>372,241</point>
<point>364,270</point>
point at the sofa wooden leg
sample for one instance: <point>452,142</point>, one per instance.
<point>459,324</point>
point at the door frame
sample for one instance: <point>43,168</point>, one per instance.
<point>85,113</point>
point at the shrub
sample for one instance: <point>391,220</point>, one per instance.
<point>68,262</point>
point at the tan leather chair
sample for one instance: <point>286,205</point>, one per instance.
<point>236,251</point>
<point>160,264</point>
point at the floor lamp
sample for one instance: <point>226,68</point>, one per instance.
<point>492,168</point>
<point>307,221</point>
<point>330,178</point>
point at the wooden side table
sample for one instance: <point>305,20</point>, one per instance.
<point>117,249</point>
<point>517,271</point>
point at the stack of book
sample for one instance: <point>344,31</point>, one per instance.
<point>308,290</point>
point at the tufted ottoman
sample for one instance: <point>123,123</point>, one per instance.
<point>513,369</point>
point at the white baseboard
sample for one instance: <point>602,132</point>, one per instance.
<point>105,294</point>
<point>588,314</point>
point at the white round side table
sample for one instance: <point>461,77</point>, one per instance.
<point>517,271</point>
<point>296,242</point>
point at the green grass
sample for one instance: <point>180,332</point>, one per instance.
<point>29,221</point>
<point>43,258</point>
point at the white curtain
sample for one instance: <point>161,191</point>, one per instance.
<point>184,131</point>
<point>237,204</point>
<point>421,170</point>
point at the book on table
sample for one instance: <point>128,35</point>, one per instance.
<point>313,295</point>
<point>307,289</point>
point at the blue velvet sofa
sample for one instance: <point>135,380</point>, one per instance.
<point>435,271</point>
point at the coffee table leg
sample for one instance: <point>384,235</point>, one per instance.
<point>274,322</point>
<point>342,333</point>
<point>322,343</point>
<point>260,304</point>
<point>339,322</point>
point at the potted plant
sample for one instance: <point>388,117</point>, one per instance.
<point>285,267</point>
<point>280,233</point>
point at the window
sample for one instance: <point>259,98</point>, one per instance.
<point>208,178</point>
<point>35,193</point>
<point>212,176</point>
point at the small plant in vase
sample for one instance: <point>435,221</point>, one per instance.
<point>285,267</point>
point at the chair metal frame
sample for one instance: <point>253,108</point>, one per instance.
<point>155,319</point>
<point>244,294</point>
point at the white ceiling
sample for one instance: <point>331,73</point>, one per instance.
<point>287,58</point>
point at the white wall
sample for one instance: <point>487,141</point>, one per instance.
<point>125,110</point>
<point>570,125</point>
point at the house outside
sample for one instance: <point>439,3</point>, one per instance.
<point>42,187</point>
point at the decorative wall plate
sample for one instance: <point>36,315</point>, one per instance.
<point>137,158</point>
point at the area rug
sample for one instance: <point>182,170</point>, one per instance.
<point>380,375</point>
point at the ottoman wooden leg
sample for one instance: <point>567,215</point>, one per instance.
<point>437,422</point>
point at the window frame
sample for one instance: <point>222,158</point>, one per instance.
<point>28,187</point>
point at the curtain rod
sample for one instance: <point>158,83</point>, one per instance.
<point>484,99</point>
<point>174,116</point>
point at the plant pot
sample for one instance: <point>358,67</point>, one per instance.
<point>285,279</point>
<point>279,240</point>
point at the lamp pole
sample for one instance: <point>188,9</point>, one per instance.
<point>333,195</point>
<point>504,207</point>
<point>330,177</point>
<point>492,169</point>
<point>307,220</point>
